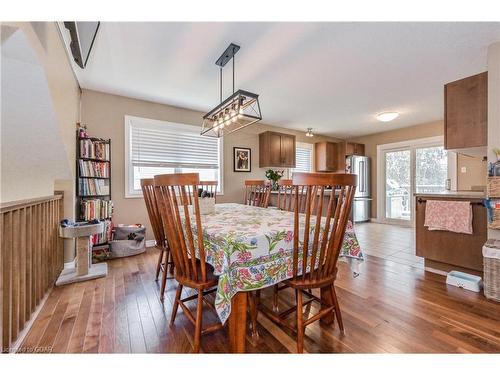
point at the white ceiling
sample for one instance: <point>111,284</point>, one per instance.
<point>333,77</point>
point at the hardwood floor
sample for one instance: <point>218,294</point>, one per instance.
<point>390,307</point>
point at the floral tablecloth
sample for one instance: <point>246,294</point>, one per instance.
<point>251,248</point>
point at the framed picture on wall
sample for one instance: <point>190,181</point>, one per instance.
<point>242,159</point>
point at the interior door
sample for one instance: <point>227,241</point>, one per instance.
<point>398,185</point>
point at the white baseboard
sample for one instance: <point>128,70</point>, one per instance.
<point>69,265</point>
<point>150,243</point>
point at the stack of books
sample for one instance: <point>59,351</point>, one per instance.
<point>105,236</point>
<point>96,209</point>
<point>93,169</point>
<point>94,149</point>
<point>89,187</point>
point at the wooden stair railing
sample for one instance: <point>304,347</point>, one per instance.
<point>31,258</point>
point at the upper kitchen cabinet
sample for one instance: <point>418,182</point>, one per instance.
<point>330,157</point>
<point>357,149</point>
<point>276,150</point>
<point>325,156</point>
<point>466,112</point>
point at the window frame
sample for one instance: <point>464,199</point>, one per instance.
<point>130,192</point>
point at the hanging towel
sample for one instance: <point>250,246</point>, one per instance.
<point>453,216</point>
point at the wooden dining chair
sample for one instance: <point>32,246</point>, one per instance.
<point>165,263</point>
<point>185,237</point>
<point>317,249</point>
<point>257,193</point>
<point>286,194</point>
<point>210,187</point>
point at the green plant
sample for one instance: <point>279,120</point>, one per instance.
<point>496,150</point>
<point>274,176</point>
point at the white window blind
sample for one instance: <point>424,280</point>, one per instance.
<point>303,158</point>
<point>157,147</point>
<point>173,147</point>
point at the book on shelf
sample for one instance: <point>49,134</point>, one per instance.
<point>99,209</point>
<point>89,187</point>
<point>93,169</point>
<point>105,236</point>
<point>94,149</point>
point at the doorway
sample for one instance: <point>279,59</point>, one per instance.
<point>406,168</point>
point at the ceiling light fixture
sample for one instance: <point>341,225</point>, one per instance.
<point>309,132</point>
<point>239,110</point>
<point>387,116</point>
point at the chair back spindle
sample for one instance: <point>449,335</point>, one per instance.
<point>286,196</point>
<point>210,187</point>
<point>257,193</point>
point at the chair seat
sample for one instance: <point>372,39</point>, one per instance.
<point>211,279</point>
<point>310,284</point>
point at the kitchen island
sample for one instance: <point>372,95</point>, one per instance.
<point>444,251</point>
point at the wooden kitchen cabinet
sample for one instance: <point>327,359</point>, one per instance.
<point>325,156</point>
<point>357,149</point>
<point>448,250</point>
<point>276,150</point>
<point>330,157</point>
<point>466,112</point>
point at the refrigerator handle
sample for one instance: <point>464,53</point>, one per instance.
<point>362,176</point>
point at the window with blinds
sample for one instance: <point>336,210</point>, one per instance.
<point>303,157</point>
<point>158,147</point>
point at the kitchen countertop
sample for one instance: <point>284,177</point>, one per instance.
<point>454,194</point>
<point>327,192</point>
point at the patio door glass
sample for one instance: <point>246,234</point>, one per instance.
<point>409,169</point>
<point>431,169</point>
<point>398,184</point>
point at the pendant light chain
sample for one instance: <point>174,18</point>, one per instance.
<point>220,86</point>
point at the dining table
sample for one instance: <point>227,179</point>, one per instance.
<point>251,248</point>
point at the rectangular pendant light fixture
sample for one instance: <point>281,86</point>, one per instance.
<point>239,110</point>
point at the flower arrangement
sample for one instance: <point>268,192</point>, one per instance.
<point>496,150</point>
<point>274,177</point>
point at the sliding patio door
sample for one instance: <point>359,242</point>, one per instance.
<point>419,166</point>
<point>398,187</point>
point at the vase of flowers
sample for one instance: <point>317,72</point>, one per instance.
<point>274,176</point>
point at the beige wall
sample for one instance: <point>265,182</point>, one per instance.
<point>48,142</point>
<point>371,142</point>
<point>474,174</point>
<point>104,116</point>
<point>46,55</point>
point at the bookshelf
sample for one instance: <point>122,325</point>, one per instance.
<point>93,184</point>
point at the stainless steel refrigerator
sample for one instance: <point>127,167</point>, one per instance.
<point>360,166</point>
